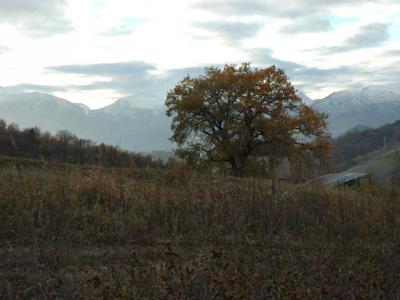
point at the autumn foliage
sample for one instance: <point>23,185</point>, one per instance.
<point>238,113</point>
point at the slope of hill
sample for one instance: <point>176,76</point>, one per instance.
<point>359,143</point>
<point>381,164</point>
<point>371,107</point>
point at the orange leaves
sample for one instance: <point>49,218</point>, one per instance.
<point>238,112</point>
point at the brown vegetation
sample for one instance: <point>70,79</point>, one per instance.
<point>108,233</point>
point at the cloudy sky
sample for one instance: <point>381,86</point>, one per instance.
<point>94,51</point>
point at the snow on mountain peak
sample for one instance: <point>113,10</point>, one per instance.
<point>306,100</point>
<point>379,95</point>
<point>41,101</point>
<point>371,106</point>
<point>85,108</point>
<point>135,101</point>
<point>368,95</point>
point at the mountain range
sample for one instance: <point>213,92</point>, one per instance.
<point>123,123</point>
<point>370,107</point>
<point>138,124</point>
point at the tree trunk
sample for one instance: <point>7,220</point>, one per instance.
<point>272,167</point>
<point>238,165</point>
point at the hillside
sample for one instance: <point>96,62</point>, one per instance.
<point>381,164</point>
<point>374,151</point>
<point>359,143</point>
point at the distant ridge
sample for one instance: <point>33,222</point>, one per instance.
<point>371,107</point>
<point>131,128</point>
<point>138,123</point>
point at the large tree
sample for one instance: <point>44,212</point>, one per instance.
<point>238,112</point>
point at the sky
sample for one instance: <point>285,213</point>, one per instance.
<point>96,51</point>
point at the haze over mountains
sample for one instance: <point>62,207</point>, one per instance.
<point>137,123</point>
<point>371,107</point>
<point>123,123</point>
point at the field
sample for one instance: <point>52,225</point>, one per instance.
<point>68,232</point>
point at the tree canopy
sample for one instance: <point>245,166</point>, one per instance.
<point>236,113</point>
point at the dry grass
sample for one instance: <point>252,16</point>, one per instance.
<point>75,233</point>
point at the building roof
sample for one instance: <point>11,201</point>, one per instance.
<point>336,179</point>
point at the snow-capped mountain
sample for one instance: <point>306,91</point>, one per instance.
<point>42,110</point>
<point>133,107</point>
<point>140,125</point>
<point>135,124</point>
<point>306,100</point>
<point>5,91</point>
<point>85,108</point>
<point>371,107</point>
<point>143,100</point>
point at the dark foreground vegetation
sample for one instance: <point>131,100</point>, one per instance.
<point>103,233</point>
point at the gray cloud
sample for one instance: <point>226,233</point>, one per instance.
<point>305,15</point>
<point>310,77</point>
<point>35,18</point>
<point>135,78</point>
<point>122,69</point>
<point>394,53</point>
<point>235,7</point>
<point>310,24</point>
<point>345,77</point>
<point>118,31</point>
<point>369,36</point>
<point>124,77</point>
<point>4,49</point>
<point>285,8</point>
<point>128,77</point>
<point>27,87</point>
<point>230,31</point>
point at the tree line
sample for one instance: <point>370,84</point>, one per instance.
<point>66,147</point>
